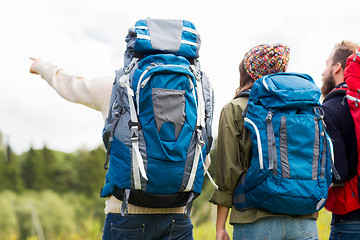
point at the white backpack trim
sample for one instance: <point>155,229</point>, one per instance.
<point>258,139</point>
<point>136,155</point>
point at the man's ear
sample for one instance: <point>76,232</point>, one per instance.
<point>338,73</point>
<point>337,68</point>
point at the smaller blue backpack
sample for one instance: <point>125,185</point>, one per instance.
<point>291,165</point>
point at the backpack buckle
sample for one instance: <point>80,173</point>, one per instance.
<point>200,136</point>
<point>357,98</point>
<point>134,130</point>
<point>134,134</point>
<point>269,116</point>
<point>319,112</point>
<point>357,53</point>
<point>196,74</point>
<point>130,67</point>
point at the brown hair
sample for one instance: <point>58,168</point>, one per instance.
<point>342,51</point>
<point>246,82</point>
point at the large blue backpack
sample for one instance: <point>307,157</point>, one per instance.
<point>291,166</point>
<point>158,131</point>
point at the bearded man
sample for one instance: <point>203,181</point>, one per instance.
<point>340,127</point>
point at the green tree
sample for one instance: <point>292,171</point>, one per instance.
<point>34,171</point>
<point>49,159</point>
<point>65,176</point>
<point>91,173</point>
<point>10,171</point>
<point>3,179</point>
<point>14,172</point>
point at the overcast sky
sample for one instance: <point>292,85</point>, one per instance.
<point>86,37</point>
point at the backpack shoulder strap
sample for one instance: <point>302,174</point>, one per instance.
<point>243,94</point>
<point>336,91</point>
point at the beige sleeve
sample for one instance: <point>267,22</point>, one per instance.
<point>94,93</point>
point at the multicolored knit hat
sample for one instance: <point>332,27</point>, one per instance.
<point>266,59</point>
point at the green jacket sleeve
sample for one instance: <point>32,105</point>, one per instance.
<point>233,151</point>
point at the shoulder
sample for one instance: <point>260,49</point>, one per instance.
<point>238,104</point>
<point>337,105</point>
<point>340,91</point>
<point>234,109</point>
<point>232,113</point>
<point>337,113</point>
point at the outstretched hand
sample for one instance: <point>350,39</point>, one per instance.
<point>33,67</point>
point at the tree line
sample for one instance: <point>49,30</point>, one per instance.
<point>67,185</point>
<point>40,169</point>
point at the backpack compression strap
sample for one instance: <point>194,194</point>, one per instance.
<point>200,123</point>
<point>136,155</point>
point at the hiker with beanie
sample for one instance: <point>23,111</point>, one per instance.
<point>343,198</point>
<point>234,153</point>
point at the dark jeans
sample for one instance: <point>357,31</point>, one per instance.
<point>147,226</point>
<point>345,230</point>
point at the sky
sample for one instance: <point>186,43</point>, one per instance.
<point>87,38</point>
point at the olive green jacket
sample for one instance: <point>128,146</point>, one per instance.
<point>233,155</point>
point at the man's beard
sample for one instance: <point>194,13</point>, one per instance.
<point>328,85</point>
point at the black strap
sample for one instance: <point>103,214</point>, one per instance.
<point>111,138</point>
<point>336,91</point>
<point>189,205</point>
<point>243,94</point>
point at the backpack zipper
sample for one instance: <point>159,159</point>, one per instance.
<point>153,65</point>
<point>143,84</point>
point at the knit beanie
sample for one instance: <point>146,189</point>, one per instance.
<point>266,59</point>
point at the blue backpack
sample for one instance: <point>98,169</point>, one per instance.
<point>291,165</point>
<point>158,131</point>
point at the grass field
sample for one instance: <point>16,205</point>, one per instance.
<point>323,224</point>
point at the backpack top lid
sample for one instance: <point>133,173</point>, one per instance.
<point>285,90</point>
<point>352,71</point>
<point>153,36</point>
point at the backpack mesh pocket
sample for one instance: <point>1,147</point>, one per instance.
<point>169,112</point>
